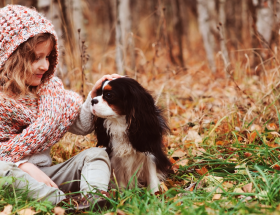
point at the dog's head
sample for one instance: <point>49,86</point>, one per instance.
<point>122,96</point>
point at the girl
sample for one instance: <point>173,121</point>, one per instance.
<point>36,111</point>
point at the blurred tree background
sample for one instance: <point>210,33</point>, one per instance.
<point>135,33</point>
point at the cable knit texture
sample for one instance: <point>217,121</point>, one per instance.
<point>22,133</point>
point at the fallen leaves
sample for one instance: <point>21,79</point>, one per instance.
<point>248,188</point>
<point>217,196</point>
<point>247,154</point>
<point>178,153</point>
<point>163,186</point>
<point>183,162</point>
<point>59,211</point>
<point>119,212</point>
<point>272,126</point>
<point>276,166</point>
<point>193,136</point>
<point>7,210</point>
<point>202,171</point>
<point>27,211</point>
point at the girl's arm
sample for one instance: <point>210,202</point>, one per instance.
<point>84,124</point>
<point>37,174</point>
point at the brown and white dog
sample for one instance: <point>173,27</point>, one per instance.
<point>131,127</point>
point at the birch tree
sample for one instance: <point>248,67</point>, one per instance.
<point>264,15</point>
<point>206,22</point>
<point>222,22</point>
<point>78,19</point>
<point>124,36</point>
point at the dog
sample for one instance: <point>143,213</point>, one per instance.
<point>131,127</point>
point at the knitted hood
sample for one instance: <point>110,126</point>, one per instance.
<point>17,25</point>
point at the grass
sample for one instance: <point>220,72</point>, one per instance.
<point>222,177</point>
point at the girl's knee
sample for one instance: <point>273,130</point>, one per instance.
<point>96,154</point>
<point>6,168</point>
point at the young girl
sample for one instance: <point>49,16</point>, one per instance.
<point>36,111</point>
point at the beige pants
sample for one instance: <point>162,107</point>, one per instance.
<point>84,172</point>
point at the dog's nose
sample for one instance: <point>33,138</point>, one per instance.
<point>94,101</point>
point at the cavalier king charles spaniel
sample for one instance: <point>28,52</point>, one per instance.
<point>131,127</point>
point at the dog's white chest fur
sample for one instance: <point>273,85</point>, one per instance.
<point>116,128</point>
<point>126,161</point>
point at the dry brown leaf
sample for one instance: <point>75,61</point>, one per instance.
<point>201,171</point>
<point>178,153</point>
<point>59,211</point>
<point>276,166</point>
<point>227,185</point>
<point>120,212</point>
<point>256,127</point>
<point>247,154</point>
<point>274,133</point>
<point>248,188</point>
<point>251,136</point>
<point>183,162</point>
<point>220,143</point>
<point>200,151</point>
<point>272,144</point>
<point>193,136</point>
<point>163,186</point>
<point>238,190</point>
<point>27,211</point>
<point>217,196</point>
<point>272,126</point>
<point>7,210</point>
<point>175,167</point>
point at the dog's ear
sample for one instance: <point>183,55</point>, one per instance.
<point>146,125</point>
<point>103,139</point>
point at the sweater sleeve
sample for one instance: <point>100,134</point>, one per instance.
<point>84,124</point>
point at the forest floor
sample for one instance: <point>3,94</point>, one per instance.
<point>224,144</point>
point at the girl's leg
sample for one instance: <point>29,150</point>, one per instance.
<point>89,170</point>
<point>37,190</point>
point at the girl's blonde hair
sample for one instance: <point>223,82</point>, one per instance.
<point>17,69</point>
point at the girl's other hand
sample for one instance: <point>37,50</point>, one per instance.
<point>37,174</point>
<point>99,83</point>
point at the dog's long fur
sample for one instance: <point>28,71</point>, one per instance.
<point>131,127</point>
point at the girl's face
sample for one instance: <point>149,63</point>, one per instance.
<point>41,63</point>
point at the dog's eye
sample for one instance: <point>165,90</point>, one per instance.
<point>108,95</point>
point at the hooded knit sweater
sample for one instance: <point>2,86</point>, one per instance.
<point>29,126</point>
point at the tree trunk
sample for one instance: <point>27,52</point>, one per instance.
<point>179,29</point>
<point>222,22</point>
<point>264,22</point>
<point>78,20</point>
<point>205,20</point>
<point>246,25</point>
<point>119,41</point>
<point>124,36</point>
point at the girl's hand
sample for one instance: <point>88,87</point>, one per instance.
<point>99,83</point>
<point>37,174</point>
